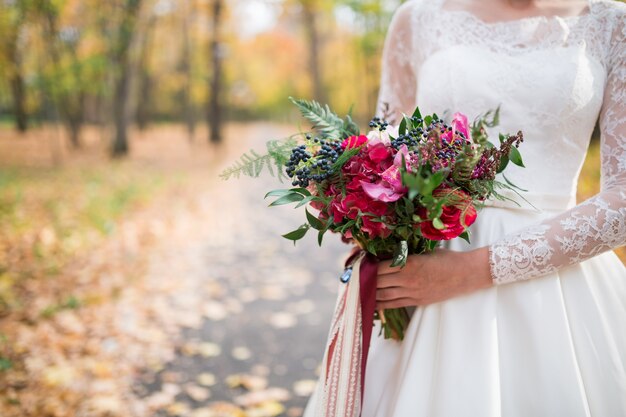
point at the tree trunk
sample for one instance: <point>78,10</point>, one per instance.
<point>215,109</point>
<point>70,104</point>
<point>16,81</point>
<point>18,91</point>
<point>74,129</point>
<point>120,113</point>
<point>188,107</point>
<point>313,39</point>
<point>142,115</point>
<point>122,60</point>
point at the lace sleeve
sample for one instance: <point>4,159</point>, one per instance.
<point>398,81</point>
<point>594,226</point>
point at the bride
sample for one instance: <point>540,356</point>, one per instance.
<point>530,319</point>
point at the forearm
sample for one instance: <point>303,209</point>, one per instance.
<point>473,270</point>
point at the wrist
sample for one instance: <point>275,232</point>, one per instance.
<point>476,269</point>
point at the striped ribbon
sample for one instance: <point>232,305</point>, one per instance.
<point>340,392</point>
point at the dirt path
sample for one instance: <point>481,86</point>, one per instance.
<point>255,309</point>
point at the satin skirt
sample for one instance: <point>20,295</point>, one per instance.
<point>552,346</point>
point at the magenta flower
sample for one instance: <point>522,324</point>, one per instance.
<point>460,124</point>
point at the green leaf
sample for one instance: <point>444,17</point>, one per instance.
<point>432,182</point>
<point>400,254</point>
<point>327,123</point>
<point>511,184</point>
<point>465,236</point>
<point>302,191</point>
<point>516,157</point>
<point>305,201</point>
<point>495,121</point>
<point>252,164</point>
<point>417,113</point>
<point>297,234</point>
<point>344,157</point>
<point>315,223</point>
<point>320,237</point>
<point>428,120</point>
<point>410,207</point>
<point>503,163</point>
<point>277,193</point>
<point>402,127</point>
<point>287,199</point>
<point>438,224</point>
<point>371,247</point>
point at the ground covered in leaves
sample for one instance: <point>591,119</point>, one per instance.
<point>148,287</point>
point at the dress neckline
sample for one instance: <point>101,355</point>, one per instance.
<point>520,21</point>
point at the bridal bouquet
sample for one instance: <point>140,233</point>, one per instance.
<point>396,191</point>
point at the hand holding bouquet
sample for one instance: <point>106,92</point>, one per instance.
<point>398,190</point>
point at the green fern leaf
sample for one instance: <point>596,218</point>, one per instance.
<point>327,123</point>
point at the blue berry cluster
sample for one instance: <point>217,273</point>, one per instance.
<point>378,123</point>
<point>412,137</point>
<point>315,168</point>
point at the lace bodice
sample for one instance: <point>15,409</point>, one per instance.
<point>553,78</point>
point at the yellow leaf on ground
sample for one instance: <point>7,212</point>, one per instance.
<point>207,379</point>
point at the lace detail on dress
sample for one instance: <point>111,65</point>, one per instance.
<point>587,235</point>
<point>524,255</point>
<point>464,64</point>
<point>596,225</point>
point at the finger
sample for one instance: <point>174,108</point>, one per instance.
<point>397,303</point>
<point>389,294</point>
<point>384,268</point>
<point>390,280</point>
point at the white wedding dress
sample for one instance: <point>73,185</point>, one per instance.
<point>549,339</point>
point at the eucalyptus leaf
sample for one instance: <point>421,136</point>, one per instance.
<point>302,191</point>
<point>438,224</point>
<point>320,237</point>
<point>305,201</point>
<point>297,234</point>
<point>315,223</point>
<point>277,193</point>
<point>288,199</point>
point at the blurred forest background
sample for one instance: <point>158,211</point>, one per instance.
<point>115,118</point>
<point>139,62</point>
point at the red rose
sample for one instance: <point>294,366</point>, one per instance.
<point>455,217</point>
<point>354,142</point>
